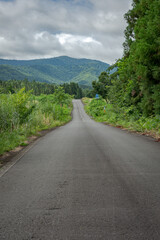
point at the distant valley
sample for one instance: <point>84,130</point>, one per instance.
<point>57,70</point>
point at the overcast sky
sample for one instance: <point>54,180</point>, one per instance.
<point>91,29</point>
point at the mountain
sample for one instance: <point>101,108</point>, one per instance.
<point>53,70</point>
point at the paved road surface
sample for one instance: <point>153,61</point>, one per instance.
<point>83,181</point>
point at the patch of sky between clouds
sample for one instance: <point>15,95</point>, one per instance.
<point>7,0</point>
<point>78,3</point>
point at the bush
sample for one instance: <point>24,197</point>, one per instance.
<point>129,117</point>
<point>22,115</point>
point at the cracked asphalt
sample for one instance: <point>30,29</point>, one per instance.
<point>83,181</point>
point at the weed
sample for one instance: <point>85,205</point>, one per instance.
<point>23,115</point>
<point>128,118</point>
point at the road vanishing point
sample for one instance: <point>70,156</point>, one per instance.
<point>83,181</point>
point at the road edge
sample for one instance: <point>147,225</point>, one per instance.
<point>12,157</point>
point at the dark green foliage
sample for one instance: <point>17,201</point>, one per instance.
<point>37,88</point>
<point>143,62</point>
<point>136,84</point>
<point>101,86</point>
<point>55,70</point>
<point>73,89</point>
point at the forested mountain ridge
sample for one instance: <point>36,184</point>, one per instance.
<point>53,70</point>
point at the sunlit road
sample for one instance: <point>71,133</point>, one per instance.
<point>83,181</point>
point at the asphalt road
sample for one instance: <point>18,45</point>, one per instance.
<point>83,181</point>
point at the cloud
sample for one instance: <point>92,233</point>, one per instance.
<point>77,28</point>
<point>72,40</point>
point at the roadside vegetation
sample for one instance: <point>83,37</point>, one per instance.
<point>132,92</point>
<point>102,111</point>
<point>23,114</point>
<point>129,97</point>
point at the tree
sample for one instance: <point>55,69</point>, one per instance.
<point>143,41</point>
<point>138,78</point>
<point>60,96</point>
<point>136,83</point>
<point>101,85</point>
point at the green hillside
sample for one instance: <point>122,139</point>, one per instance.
<point>10,72</point>
<point>54,70</point>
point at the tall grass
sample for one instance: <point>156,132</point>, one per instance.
<point>128,118</point>
<point>22,115</point>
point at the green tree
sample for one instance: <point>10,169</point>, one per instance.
<point>60,96</point>
<point>101,86</point>
<point>137,80</point>
<point>143,44</point>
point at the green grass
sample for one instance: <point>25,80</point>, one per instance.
<point>23,115</point>
<point>127,118</point>
<point>10,140</point>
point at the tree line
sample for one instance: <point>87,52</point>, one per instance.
<point>135,85</point>
<point>38,88</point>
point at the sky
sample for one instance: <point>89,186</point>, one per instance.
<point>32,29</point>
